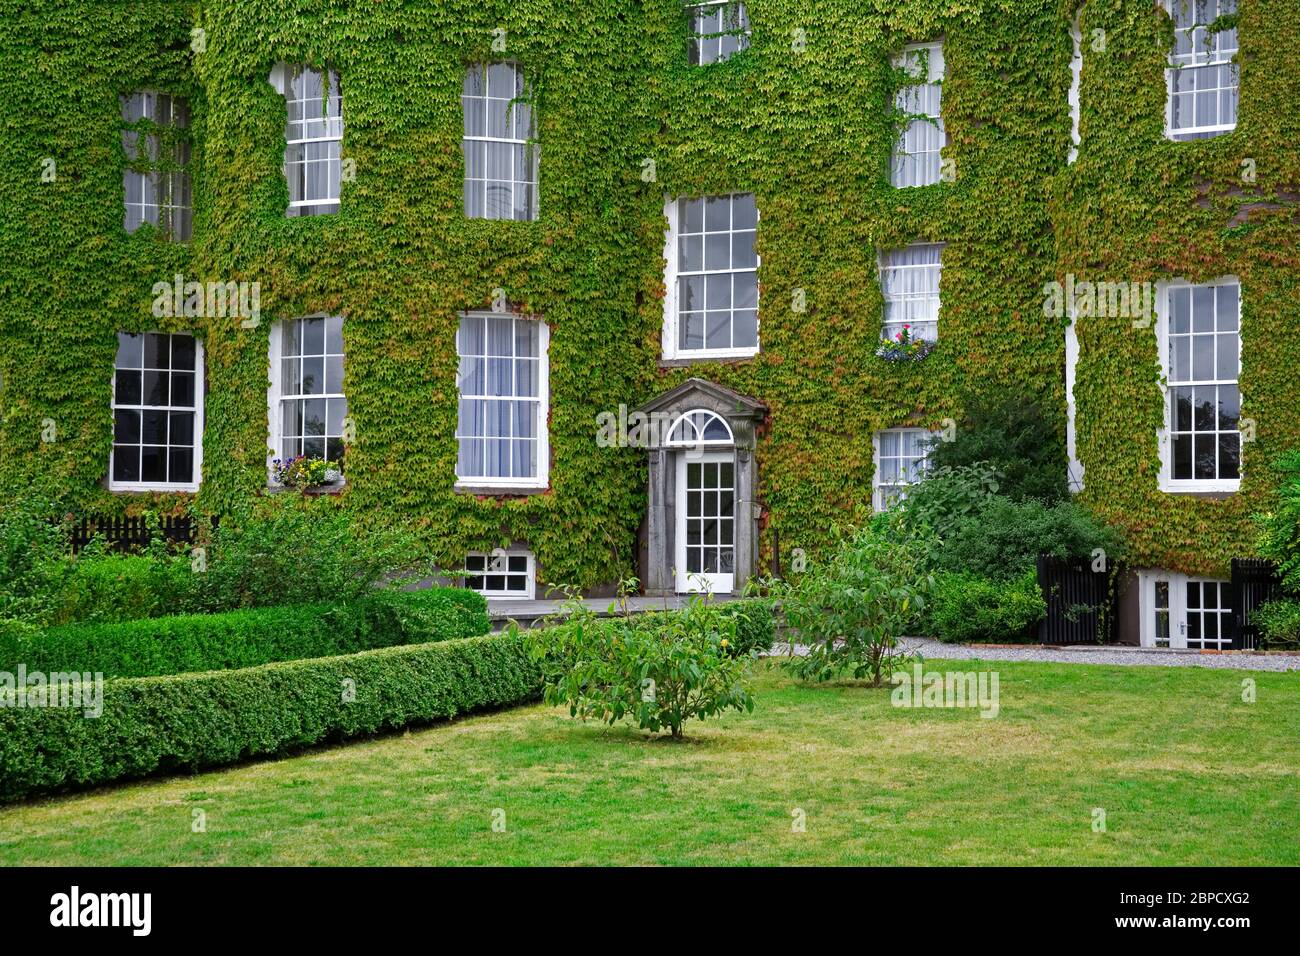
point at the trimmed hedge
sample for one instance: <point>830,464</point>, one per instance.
<point>237,639</point>
<point>191,721</point>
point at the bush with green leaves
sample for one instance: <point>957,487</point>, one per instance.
<point>1002,537</point>
<point>970,608</point>
<point>1279,624</point>
<point>1279,529</point>
<point>292,549</point>
<point>1011,434</point>
<point>851,609</point>
<point>34,566</point>
<point>659,670</point>
<point>943,497</point>
<point>102,588</point>
<point>248,637</point>
<point>755,626</point>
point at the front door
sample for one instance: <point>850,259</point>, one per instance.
<point>706,525</point>
<point>1185,613</point>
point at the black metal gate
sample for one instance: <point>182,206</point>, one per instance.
<point>1080,601</point>
<point>1254,581</point>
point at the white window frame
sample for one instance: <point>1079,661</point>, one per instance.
<point>1213,58</point>
<point>697,421</point>
<point>1076,78</point>
<point>670,338</point>
<point>878,502</point>
<point>1074,475</point>
<point>886,334</point>
<point>275,390</point>
<point>528,143</point>
<point>1177,608</point>
<point>936,69</point>
<point>281,78</point>
<point>543,401</point>
<point>1167,482</point>
<point>503,554</point>
<point>743,34</point>
<point>199,386</point>
<point>166,184</point>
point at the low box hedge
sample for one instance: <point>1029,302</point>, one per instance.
<point>191,721</point>
<point>203,642</point>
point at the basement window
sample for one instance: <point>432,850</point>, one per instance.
<point>501,574</point>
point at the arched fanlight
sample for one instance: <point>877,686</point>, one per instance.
<point>700,427</point>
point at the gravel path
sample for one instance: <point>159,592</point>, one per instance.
<point>1112,654</point>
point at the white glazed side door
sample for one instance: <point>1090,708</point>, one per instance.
<point>1182,612</point>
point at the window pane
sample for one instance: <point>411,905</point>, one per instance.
<point>498,435</point>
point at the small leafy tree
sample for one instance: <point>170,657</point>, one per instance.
<point>851,611</point>
<point>660,669</point>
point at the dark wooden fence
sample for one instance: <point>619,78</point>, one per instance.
<point>1080,601</point>
<point>128,533</point>
<point>1254,581</point>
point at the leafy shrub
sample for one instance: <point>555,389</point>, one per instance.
<point>1279,538</point>
<point>190,721</point>
<point>851,611</point>
<point>1011,434</point>
<point>755,626</point>
<point>969,608</point>
<point>114,588</point>
<point>250,637</point>
<point>943,497</point>
<point>1279,624</point>
<point>661,670</point>
<point>33,559</point>
<point>1002,538</point>
<point>290,549</point>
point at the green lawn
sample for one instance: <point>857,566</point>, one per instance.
<point>1186,772</point>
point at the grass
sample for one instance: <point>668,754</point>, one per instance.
<point>1186,772</point>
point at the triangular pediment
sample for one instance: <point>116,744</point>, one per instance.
<point>700,393</point>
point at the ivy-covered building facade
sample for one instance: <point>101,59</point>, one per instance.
<point>587,291</point>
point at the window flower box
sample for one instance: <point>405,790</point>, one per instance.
<point>904,348</point>
<point>305,474</point>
